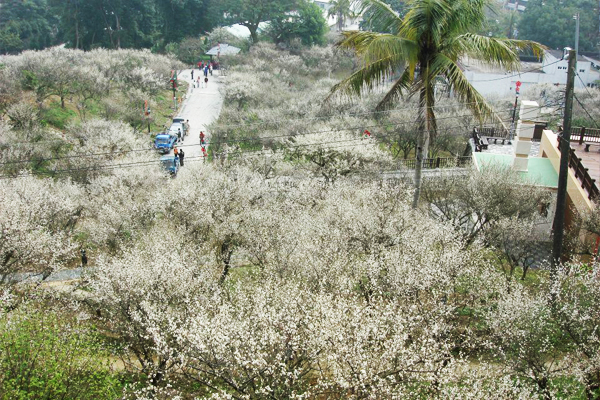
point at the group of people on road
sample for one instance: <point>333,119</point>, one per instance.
<point>180,135</point>
<point>179,153</point>
<point>206,69</point>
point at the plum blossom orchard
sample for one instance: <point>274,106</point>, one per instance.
<point>286,268</point>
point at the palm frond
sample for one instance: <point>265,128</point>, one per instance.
<point>426,21</point>
<point>373,46</point>
<point>395,93</point>
<point>443,65</point>
<point>388,19</point>
<point>500,52</point>
<point>466,15</point>
<point>365,79</point>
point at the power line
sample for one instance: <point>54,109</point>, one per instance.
<point>155,162</point>
<point>519,73</point>
<point>586,111</point>
<point>233,140</point>
<point>150,162</point>
<point>265,138</point>
<point>330,116</point>
<point>288,121</point>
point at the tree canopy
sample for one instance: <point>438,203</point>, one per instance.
<point>250,13</point>
<point>88,24</point>
<point>550,22</point>
<point>25,24</point>
<point>307,24</point>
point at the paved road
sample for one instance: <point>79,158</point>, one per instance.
<point>201,106</point>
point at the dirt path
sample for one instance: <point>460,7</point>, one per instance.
<point>201,106</point>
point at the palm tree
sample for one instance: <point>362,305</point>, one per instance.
<point>424,45</point>
<point>342,9</point>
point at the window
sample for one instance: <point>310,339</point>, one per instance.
<point>582,70</point>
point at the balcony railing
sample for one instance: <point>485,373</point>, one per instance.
<point>438,162</point>
<point>581,173</point>
<point>585,136</point>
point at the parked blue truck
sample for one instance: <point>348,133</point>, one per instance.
<point>164,143</point>
<point>170,164</point>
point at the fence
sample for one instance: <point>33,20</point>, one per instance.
<point>581,173</point>
<point>585,135</point>
<point>438,162</point>
<point>492,131</point>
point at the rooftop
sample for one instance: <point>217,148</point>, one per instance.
<point>474,65</point>
<point>223,49</point>
<point>559,54</point>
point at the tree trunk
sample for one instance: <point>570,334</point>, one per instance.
<point>226,252</point>
<point>76,33</point>
<point>253,32</point>
<point>118,31</point>
<point>426,124</point>
<point>422,149</point>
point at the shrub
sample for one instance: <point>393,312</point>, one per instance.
<point>42,357</point>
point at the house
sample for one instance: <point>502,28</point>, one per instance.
<point>492,80</point>
<point>556,63</point>
<point>538,164</point>
<point>518,5</point>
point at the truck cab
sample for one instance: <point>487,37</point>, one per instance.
<point>170,164</point>
<point>164,143</point>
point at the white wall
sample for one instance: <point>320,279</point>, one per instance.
<point>504,84</point>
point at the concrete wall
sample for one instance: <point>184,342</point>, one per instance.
<point>549,149</point>
<point>489,84</point>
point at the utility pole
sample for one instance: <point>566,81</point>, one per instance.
<point>576,18</point>
<point>563,174</point>
<point>174,83</point>
<point>514,114</point>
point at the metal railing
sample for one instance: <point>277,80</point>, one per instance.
<point>581,173</point>
<point>585,135</point>
<point>492,131</point>
<point>438,162</point>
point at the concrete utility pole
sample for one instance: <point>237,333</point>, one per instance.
<point>576,18</point>
<point>563,174</point>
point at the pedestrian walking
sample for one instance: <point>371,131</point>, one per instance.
<point>201,137</point>
<point>84,259</point>
<point>210,68</point>
<point>204,153</point>
<point>206,82</point>
<point>175,151</point>
<point>179,138</point>
<point>186,125</point>
<point>192,75</point>
<point>206,70</point>
<point>181,155</point>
